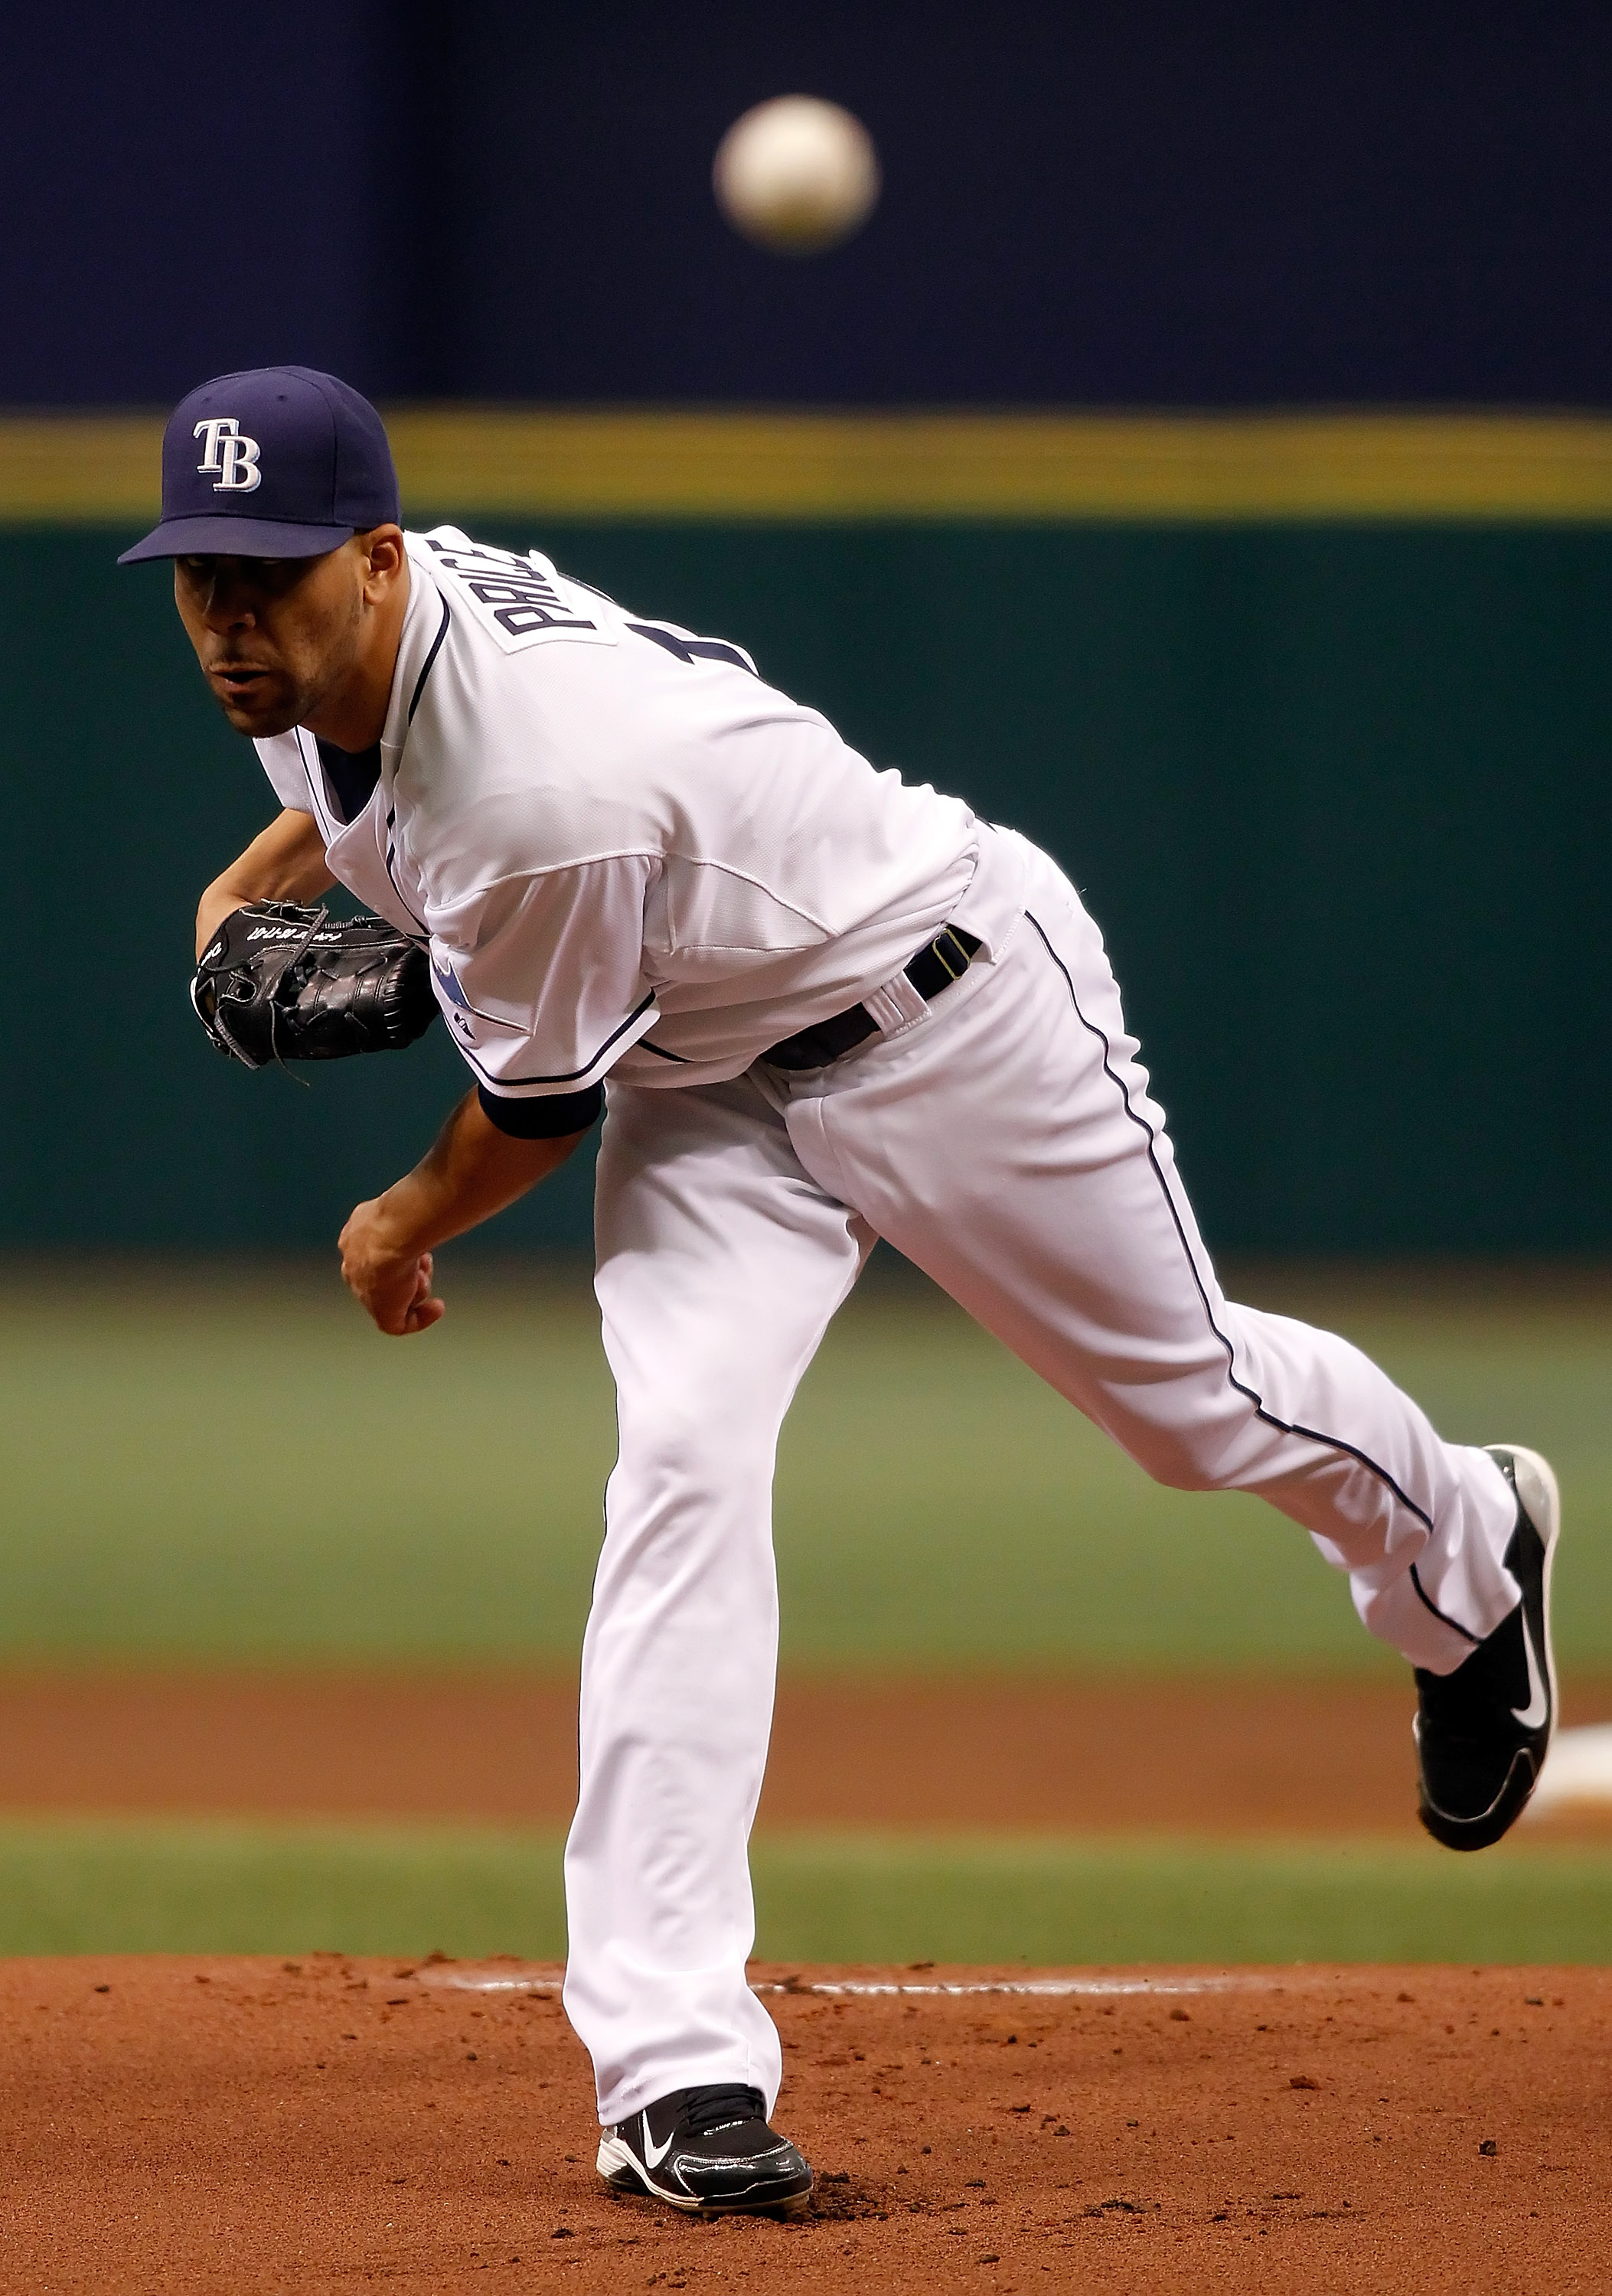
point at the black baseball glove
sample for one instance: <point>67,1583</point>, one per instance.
<point>277,982</point>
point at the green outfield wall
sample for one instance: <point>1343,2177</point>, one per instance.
<point>1337,786</point>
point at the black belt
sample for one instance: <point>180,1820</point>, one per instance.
<point>945,960</point>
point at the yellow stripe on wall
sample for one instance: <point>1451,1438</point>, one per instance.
<point>609,464</point>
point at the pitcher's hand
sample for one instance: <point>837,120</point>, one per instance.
<point>392,1283</point>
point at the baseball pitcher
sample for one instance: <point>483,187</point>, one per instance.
<point>817,1005</point>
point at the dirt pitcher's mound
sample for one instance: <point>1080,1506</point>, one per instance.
<point>250,2124</point>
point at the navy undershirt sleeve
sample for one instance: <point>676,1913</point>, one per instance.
<point>553,1116</point>
<point>352,775</point>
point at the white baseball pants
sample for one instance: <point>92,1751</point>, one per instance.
<point>1006,1143</point>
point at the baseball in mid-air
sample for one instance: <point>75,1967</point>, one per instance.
<point>796,176</point>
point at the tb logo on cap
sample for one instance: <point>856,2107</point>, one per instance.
<point>234,457</point>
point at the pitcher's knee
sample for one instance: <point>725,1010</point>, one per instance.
<point>694,1436</point>
<point>1178,1470</point>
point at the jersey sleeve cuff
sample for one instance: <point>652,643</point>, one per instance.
<point>555,1115</point>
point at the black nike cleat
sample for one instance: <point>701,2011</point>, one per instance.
<point>709,2151</point>
<point>1482,1732</point>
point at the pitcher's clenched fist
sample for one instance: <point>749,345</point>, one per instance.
<point>470,1171</point>
<point>392,1286</point>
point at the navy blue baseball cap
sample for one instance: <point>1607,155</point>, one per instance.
<point>279,461</point>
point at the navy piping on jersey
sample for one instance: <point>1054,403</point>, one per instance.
<point>662,1054</point>
<point>307,772</point>
<point>1285,1426</point>
<point>426,667</point>
<point>570,1076</point>
<point>430,662</point>
<point>392,819</point>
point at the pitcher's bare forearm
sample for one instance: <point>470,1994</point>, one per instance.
<point>285,861</point>
<point>471,1171</point>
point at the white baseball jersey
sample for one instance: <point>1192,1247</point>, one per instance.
<point>626,851</point>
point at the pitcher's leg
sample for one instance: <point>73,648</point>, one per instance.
<point>1011,1149</point>
<point>720,1264</point>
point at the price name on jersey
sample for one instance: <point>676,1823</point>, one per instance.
<point>516,595</point>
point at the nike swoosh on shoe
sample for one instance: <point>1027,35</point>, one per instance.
<point>1532,1715</point>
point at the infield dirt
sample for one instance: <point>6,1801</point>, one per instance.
<point>1229,1755</point>
<point>187,2125</point>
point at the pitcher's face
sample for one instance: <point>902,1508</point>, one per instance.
<point>275,637</point>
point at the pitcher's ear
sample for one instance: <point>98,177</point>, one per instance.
<point>383,552</point>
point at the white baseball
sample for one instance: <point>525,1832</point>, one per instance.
<point>797,174</point>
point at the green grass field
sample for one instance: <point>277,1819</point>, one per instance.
<point>231,1468</point>
<point>235,1468</point>
<point>70,1887</point>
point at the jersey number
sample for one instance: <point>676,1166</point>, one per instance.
<point>693,649</point>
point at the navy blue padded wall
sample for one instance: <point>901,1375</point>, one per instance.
<point>1133,201</point>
